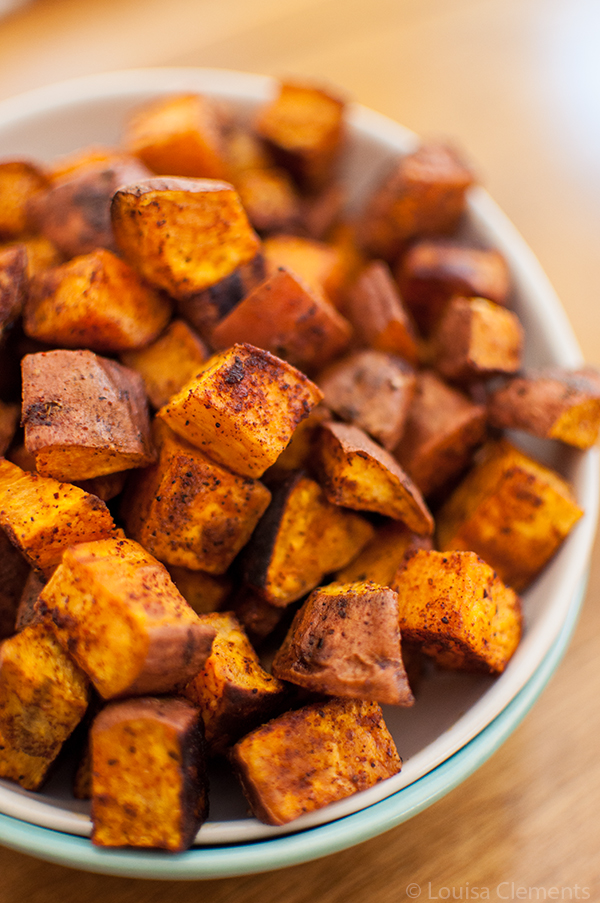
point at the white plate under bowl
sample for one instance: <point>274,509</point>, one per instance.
<point>452,709</point>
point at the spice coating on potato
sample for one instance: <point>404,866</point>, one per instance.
<point>84,415</point>
<point>345,641</point>
<point>43,696</point>
<point>553,404</point>
<point>233,691</point>
<point>458,610</point>
<point>242,409</point>
<point>189,511</point>
<point>372,390</point>
<point>512,511</point>
<point>313,756</point>
<point>301,538</point>
<point>182,235</point>
<point>42,516</point>
<point>149,785</point>
<point>357,473</point>
<point>94,301</point>
<point>116,610</point>
<point>383,555</point>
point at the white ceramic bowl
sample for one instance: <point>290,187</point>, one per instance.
<point>453,709</point>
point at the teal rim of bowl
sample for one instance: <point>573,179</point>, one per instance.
<point>314,843</point>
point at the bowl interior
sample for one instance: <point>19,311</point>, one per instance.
<point>451,708</point>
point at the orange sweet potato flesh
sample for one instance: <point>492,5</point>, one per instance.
<point>308,758</point>
<point>19,181</point>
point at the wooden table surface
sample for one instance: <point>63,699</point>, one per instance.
<point>517,84</point>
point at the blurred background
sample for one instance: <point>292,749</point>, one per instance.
<point>516,84</point>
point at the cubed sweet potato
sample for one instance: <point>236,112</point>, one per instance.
<point>321,265</point>
<point>424,193</point>
<point>377,312</point>
<point>301,538</point>
<point>242,409</point>
<point>203,592</point>
<point>84,415</point>
<point>94,301</point>
<point>270,199</point>
<point>551,404</point>
<point>189,511</point>
<point>149,784</point>
<point>27,610</point>
<point>304,128</point>
<point>458,610</point>
<point>178,135</point>
<point>475,339</point>
<point>357,473</point>
<point>41,516</point>
<point>512,511</point>
<point>117,611</point>
<point>289,319</point>
<point>73,212</point>
<point>345,641</point>
<point>305,759</point>
<point>19,181</point>
<point>433,271</point>
<point>233,691</point>
<point>258,617</point>
<point>13,574</point>
<point>13,285</point>
<point>383,555</point>
<point>9,421</point>
<point>182,235</point>
<point>169,362</point>
<point>443,427</point>
<point>43,696</point>
<point>373,390</point>
<point>298,453</point>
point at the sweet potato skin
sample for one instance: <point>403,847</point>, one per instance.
<point>287,767</point>
<point>116,610</point>
<point>345,641</point>
<point>149,786</point>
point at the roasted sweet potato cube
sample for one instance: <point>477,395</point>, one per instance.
<point>95,301</point>
<point>512,511</point>
<point>178,136</point>
<point>189,511</point>
<point>149,785</point>
<point>305,759</point>
<point>27,610</point>
<point>373,390</point>
<point>117,611</point>
<point>13,285</point>
<point>19,181</point>
<point>359,474</point>
<point>257,616</point>
<point>74,211</point>
<point>270,199</point>
<point>298,453</point>
<point>375,308</point>
<point>551,404</point>
<point>9,420</point>
<point>304,127</point>
<point>41,516</point>
<point>289,319</point>
<point>84,415</point>
<point>458,610</point>
<point>244,150</point>
<point>203,592</point>
<point>476,339</point>
<point>204,309</point>
<point>443,427</point>
<point>233,691</point>
<point>242,409</point>
<point>106,487</point>
<point>424,193</point>
<point>433,271</point>
<point>169,362</point>
<point>182,235</point>
<point>43,696</point>
<point>383,555</point>
<point>345,641</point>
<point>301,538</point>
<point>41,253</point>
<point>321,265</point>
<point>322,212</point>
<point>13,574</point>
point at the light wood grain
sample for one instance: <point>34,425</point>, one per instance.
<point>517,84</point>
